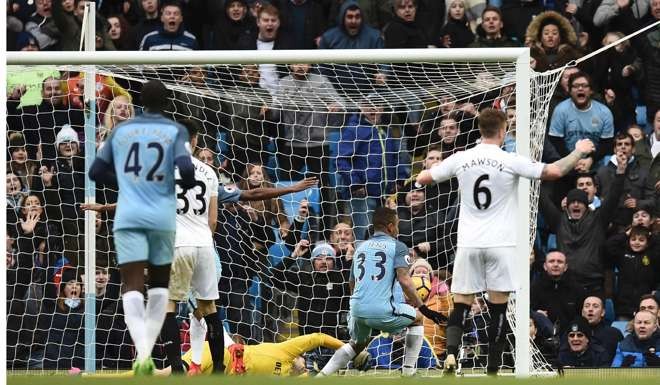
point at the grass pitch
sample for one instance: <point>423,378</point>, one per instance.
<point>599,377</point>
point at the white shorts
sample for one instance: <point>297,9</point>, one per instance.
<point>193,267</point>
<point>477,270</point>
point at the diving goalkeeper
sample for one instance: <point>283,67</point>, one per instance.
<point>278,359</point>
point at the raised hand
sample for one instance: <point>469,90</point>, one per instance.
<point>621,162</point>
<point>301,248</point>
<point>585,146</point>
<point>30,222</point>
<point>47,175</point>
<point>305,184</point>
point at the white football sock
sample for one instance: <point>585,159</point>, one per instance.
<point>414,339</point>
<point>197,338</point>
<point>228,341</point>
<point>339,360</point>
<point>155,315</point>
<point>134,314</point>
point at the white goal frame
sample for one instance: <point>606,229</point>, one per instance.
<point>519,56</point>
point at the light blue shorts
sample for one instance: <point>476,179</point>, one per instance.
<point>152,246</point>
<point>360,327</point>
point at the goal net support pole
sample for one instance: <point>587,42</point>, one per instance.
<point>89,35</point>
<point>521,328</point>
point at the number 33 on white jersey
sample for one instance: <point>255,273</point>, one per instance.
<point>192,207</point>
<point>488,182</point>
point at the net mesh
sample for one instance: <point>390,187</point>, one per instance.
<point>363,130</point>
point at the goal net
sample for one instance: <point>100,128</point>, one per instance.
<point>364,129</point>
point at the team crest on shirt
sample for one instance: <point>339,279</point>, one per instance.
<point>229,189</point>
<point>645,260</point>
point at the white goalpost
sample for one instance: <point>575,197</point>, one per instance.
<point>419,91</point>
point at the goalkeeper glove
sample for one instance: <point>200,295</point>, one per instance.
<point>433,315</point>
<point>652,360</point>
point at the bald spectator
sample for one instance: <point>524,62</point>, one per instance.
<point>593,310</point>
<point>555,294</point>
<point>641,348</point>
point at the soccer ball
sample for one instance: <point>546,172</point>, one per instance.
<point>423,287</point>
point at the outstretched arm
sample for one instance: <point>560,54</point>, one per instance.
<point>263,193</point>
<point>563,166</point>
<point>98,207</point>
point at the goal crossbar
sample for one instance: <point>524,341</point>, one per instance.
<point>267,57</point>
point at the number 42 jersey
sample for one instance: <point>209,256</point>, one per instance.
<point>488,186</point>
<point>142,151</point>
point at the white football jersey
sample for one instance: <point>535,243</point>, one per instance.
<point>488,185</point>
<point>192,207</point>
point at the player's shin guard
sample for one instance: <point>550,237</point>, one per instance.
<point>496,335</point>
<point>455,327</point>
<point>172,341</point>
<point>339,360</point>
<point>215,336</point>
<point>414,340</point>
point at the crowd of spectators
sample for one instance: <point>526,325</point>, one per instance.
<point>597,251</point>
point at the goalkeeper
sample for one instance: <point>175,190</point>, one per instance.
<point>278,359</point>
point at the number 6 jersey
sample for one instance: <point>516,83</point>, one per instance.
<point>488,185</point>
<point>192,207</point>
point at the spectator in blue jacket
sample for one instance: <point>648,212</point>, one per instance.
<point>368,163</point>
<point>641,348</point>
<point>171,36</point>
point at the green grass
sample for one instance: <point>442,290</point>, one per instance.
<point>599,377</point>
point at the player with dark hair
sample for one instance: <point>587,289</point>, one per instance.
<point>140,155</point>
<point>485,259</point>
<point>378,263</point>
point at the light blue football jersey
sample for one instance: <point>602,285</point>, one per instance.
<point>142,151</point>
<point>374,271</point>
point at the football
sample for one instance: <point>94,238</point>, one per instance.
<point>423,287</point>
